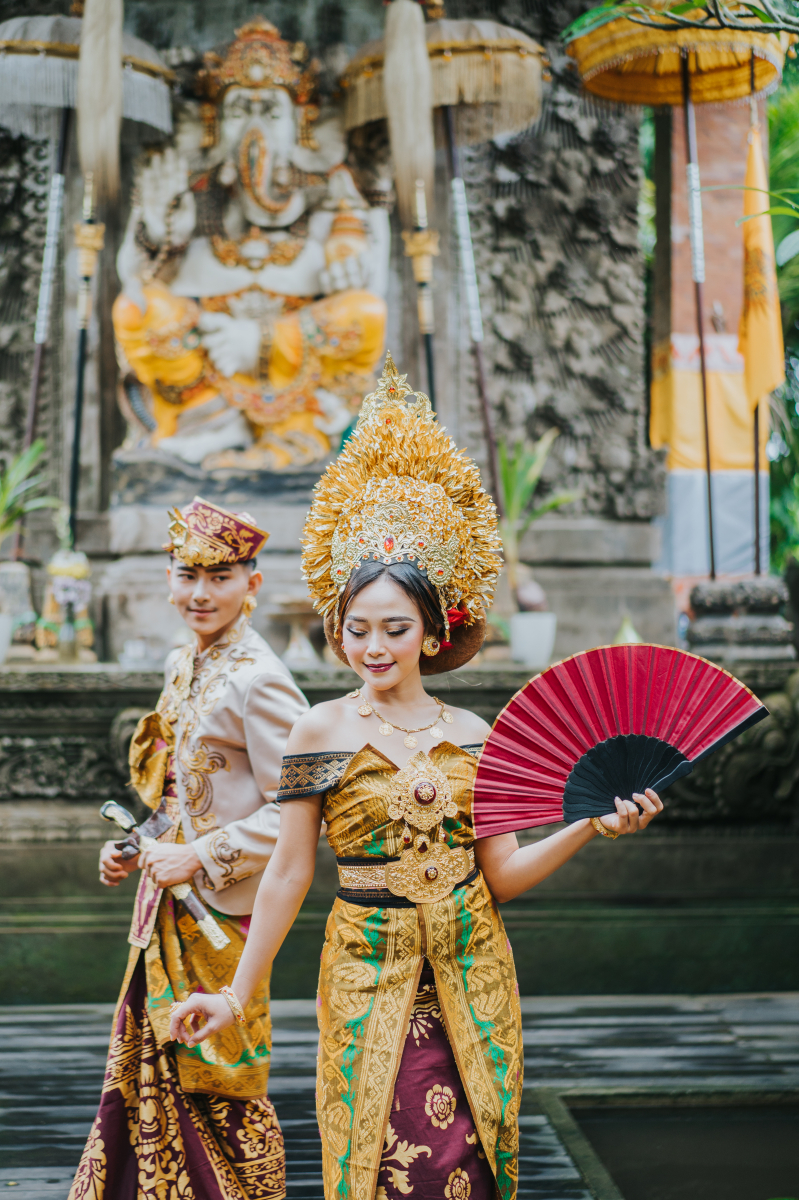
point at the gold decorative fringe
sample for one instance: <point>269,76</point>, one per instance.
<point>496,78</point>
<point>39,72</point>
<point>625,62</point>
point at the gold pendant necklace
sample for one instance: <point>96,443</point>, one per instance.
<point>387,728</point>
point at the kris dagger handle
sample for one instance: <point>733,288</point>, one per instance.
<point>181,891</point>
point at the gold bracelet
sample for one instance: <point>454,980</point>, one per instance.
<point>600,828</point>
<point>235,1004</point>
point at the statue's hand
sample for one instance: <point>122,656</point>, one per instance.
<point>233,343</point>
<point>166,199</point>
<point>350,272</point>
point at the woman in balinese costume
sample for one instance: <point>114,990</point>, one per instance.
<point>420,1051</point>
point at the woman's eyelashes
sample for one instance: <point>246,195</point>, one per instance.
<point>361,633</point>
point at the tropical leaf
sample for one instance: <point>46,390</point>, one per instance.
<point>17,485</point>
<point>520,470</point>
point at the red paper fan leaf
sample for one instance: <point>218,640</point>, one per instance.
<point>604,723</point>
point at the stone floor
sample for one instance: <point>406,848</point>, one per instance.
<point>581,1050</point>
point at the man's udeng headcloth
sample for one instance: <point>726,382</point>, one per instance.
<point>204,535</point>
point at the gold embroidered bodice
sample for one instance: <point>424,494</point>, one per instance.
<point>358,789</point>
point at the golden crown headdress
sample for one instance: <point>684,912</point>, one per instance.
<point>260,58</point>
<point>402,492</point>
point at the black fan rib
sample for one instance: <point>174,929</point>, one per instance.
<point>620,766</point>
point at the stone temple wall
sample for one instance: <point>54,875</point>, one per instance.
<point>554,218</point>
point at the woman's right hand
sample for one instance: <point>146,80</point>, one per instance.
<point>215,1010</point>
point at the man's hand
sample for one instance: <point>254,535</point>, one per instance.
<point>114,868</point>
<point>169,864</point>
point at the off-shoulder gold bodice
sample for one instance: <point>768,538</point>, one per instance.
<point>356,791</point>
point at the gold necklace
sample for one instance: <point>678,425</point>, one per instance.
<point>387,728</point>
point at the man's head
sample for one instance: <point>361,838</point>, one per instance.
<point>209,599</point>
<point>212,569</point>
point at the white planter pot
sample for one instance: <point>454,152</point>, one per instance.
<point>532,638</point>
<point>6,624</point>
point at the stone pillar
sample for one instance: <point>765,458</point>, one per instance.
<point>676,403</point>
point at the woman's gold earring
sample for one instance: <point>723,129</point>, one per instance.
<point>249,604</point>
<point>171,598</point>
<point>430,645</point>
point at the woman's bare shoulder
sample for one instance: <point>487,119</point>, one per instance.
<point>470,728</point>
<point>322,728</point>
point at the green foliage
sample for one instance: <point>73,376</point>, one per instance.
<point>783,119</point>
<point>784,477</point>
<point>17,485</point>
<point>520,469</point>
<point>783,123</point>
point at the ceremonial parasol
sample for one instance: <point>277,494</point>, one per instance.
<point>40,65</point>
<point>623,60</point>
<point>486,78</point>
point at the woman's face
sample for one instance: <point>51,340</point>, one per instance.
<point>382,634</point>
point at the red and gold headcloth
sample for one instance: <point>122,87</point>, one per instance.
<point>204,535</point>
<point>401,492</point>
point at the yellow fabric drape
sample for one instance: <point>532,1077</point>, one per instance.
<point>676,418</point>
<point>760,332</point>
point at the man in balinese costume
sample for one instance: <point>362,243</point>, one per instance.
<point>253,270</point>
<point>176,1124</point>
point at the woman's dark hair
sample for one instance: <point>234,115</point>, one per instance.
<point>410,579</point>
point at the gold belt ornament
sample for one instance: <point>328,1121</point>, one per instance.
<point>428,869</point>
<point>372,877</point>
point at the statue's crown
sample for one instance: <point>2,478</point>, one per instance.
<point>260,58</point>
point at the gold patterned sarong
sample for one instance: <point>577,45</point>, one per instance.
<point>371,965</point>
<point>180,1124</point>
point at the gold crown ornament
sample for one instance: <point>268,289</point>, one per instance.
<point>402,492</point>
<point>204,535</point>
<point>260,58</point>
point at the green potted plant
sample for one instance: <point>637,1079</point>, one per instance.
<point>532,629</point>
<point>18,485</point>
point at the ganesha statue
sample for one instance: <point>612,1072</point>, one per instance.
<point>252,311</point>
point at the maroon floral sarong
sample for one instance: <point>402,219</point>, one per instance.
<point>432,1150</point>
<point>151,1139</point>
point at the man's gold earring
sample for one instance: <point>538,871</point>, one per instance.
<point>249,604</point>
<point>171,598</point>
<point>431,645</point>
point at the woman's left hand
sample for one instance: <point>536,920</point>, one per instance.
<point>627,818</point>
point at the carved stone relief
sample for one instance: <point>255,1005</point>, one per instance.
<point>24,182</point>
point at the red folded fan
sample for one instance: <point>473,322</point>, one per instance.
<point>605,723</point>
